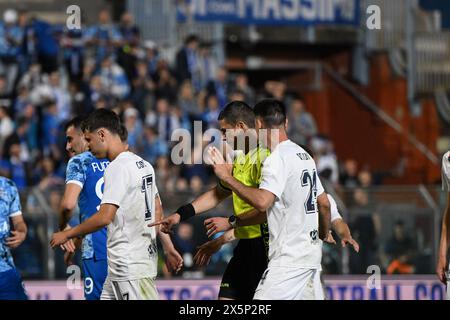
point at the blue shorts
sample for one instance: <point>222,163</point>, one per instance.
<point>11,286</point>
<point>95,272</point>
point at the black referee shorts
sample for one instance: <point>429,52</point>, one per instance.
<point>244,270</point>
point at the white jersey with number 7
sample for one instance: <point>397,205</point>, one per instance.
<point>130,185</point>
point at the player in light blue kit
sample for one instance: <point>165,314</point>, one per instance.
<point>84,185</point>
<point>11,287</point>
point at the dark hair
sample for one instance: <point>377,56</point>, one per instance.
<point>74,122</point>
<point>191,38</point>
<point>104,118</point>
<point>123,133</point>
<point>272,112</point>
<point>236,111</point>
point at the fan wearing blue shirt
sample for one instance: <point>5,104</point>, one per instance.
<point>11,236</point>
<point>84,185</point>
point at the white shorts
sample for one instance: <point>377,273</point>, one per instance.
<point>142,289</point>
<point>279,283</point>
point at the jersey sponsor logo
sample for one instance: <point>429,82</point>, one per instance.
<point>99,166</point>
<point>314,236</point>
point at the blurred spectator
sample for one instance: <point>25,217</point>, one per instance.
<point>208,66</point>
<point>187,101</point>
<point>164,174</point>
<point>212,112</point>
<point>167,85</point>
<point>143,87</point>
<point>11,37</point>
<point>327,165</point>
<point>6,97</point>
<point>401,250</point>
<point>47,47</point>
<point>365,232</point>
<point>220,87</point>
<point>301,126</point>
<point>163,119</point>
<point>184,244</point>
<point>60,96</point>
<point>134,126</point>
<point>50,130</point>
<point>33,78</point>
<point>74,51</point>
<point>129,30</point>
<point>46,176</point>
<point>14,167</point>
<point>153,146</point>
<point>241,85</point>
<point>151,57</point>
<point>349,176</point>
<point>365,178</point>
<point>6,126</point>
<point>129,50</point>
<point>187,59</point>
<point>113,79</point>
<point>104,37</point>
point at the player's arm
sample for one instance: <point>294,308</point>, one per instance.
<point>323,206</point>
<point>442,265</point>
<point>343,231</point>
<point>206,250</point>
<point>96,222</point>
<point>174,261</point>
<point>19,233</point>
<point>206,201</point>
<point>220,224</point>
<point>68,203</point>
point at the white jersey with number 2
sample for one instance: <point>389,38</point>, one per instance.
<point>130,185</point>
<point>291,175</point>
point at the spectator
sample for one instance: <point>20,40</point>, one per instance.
<point>14,167</point>
<point>153,146</point>
<point>365,178</point>
<point>184,244</point>
<point>164,174</point>
<point>6,126</point>
<point>167,85</point>
<point>113,79</point>
<point>401,250</point>
<point>163,119</point>
<point>187,101</point>
<point>50,130</point>
<point>241,85</point>
<point>212,112</point>
<point>129,51</point>
<point>6,97</point>
<point>134,127</point>
<point>11,37</point>
<point>47,46</point>
<point>348,177</point>
<point>187,59</point>
<point>143,87</point>
<point>302,126</point>
<point>365,232</point>
<point>327,165</point>
<point>208,66</point>
<point>220,87</point>
<point>61,97</point>
<point>104,37</point>
<point>74,50</point>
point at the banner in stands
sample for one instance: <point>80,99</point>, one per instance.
<point>271,12</point>
<point>337,288</point>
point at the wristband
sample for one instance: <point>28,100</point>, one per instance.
<point>187,211</point>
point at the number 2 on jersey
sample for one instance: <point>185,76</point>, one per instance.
<point>147,189</point>
<point>310,181</point>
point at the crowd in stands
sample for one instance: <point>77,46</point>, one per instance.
<point>48,74</point>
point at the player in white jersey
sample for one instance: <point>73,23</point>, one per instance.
<point>130,202</point>
<point>298,210</point>
<point>442,265</point>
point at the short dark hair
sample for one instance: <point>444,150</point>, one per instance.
<point>104,118</point>
<point>308,150</point>
<point>272,112</point>
<point>191,38</point>
<point>236,111</point>
<point>74,122</point>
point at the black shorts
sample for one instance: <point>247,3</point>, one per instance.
<point>244,270</point>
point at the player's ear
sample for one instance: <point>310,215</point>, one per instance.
<point>101,133</point>
<point>241,125</point>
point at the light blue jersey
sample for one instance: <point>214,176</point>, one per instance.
<point>87,171</point>
<point>9,207</point>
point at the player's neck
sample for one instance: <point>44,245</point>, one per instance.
<point>116,149</point>
<point>276,139</point>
